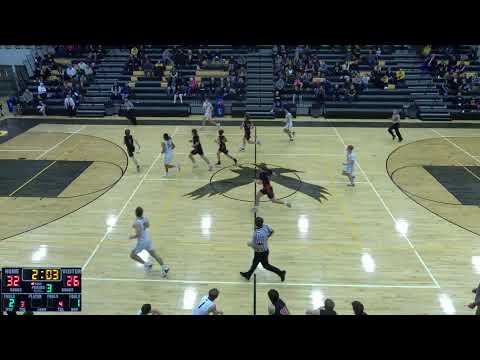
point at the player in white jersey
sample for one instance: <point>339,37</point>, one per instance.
<point>349,166</point>
<point>142,235</point>
<point>207,305</point>
<point>167,150</point>
<point>288,128</point>
<point>207,113</point>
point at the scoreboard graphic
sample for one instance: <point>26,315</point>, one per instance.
<point>41,289</point>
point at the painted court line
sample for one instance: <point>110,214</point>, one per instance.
<point>27,150</point>
<point>33,178</point>
<point>208,180</point>
<point>473,174</point>
<point>288,154</point>
<point>123,208</point>
<point>391,215</point>
<point>61,142</point>
<point>454,144</point>
<point>280,284</point>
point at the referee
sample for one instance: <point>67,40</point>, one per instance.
<point>259,244</point>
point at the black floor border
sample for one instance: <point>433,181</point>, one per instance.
<point>260,122</point>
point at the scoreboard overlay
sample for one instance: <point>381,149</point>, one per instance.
<point>41,289</point>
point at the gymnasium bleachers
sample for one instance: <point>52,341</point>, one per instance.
<point>417,96</point>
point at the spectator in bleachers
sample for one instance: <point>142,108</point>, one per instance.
<point>276,306</point>
<point>352,93</point>
<point>159,69</point>
<point>69,105</point>
<point>42,91</point>
<point>280,84</point>
<point>42,108</point>
<point>124,92</point>
<point>178,91</point>
<point>167,56</point>
<point>115,91</point>
<point>130,111</point>
<point>297,89</point>
<point>134,51</point>
<point>148,68</point>
<point>327,309</point>
<point>400,75</point>
<point>192,86</point>
<point>70,72</point>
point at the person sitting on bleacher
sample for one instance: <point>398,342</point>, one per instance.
<point>352,93</point>
<point>400,75</point>
<point>192,86</point>
<point>159,69</point>
<point>148,68</point>
<point>42,91</point>
<point>134,51</point>
<point>69,104</point>
<point>115,91</point>
<point>70,72</point>
<point>124,92</point>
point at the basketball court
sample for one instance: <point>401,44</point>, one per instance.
<point>404,240</point>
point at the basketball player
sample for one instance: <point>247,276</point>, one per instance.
<point>247,126</point>
<point>288,128</point>
<point>349,166</point>
<point>142,235</point>
<point>207,305</point>
<point>167,150</point>
<point>130,143</point>
<point>222,147</point>
<point>395,126</point>
<point>197,150</point>
<point>264,179</point>
<point>207,113</point>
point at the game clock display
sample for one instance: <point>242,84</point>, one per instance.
<point>41,289</point>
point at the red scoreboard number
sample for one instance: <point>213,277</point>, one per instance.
<point>13,281</point>
<point>73,280</point>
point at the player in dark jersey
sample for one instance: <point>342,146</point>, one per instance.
<point>247,126</point>
<point>222,147</point>
<point>197,150</point>
<point>130,143</point>
<point>263,179</point>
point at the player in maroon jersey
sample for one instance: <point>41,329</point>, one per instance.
<point>263,179</point>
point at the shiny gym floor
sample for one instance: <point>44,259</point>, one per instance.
<point>404,240</point>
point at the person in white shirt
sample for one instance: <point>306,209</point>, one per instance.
<point>71,72</point>
<point>207,116</point>
<point>42,91</point>
<point>349,166</point>
<point>207,305</point>
<point>142,235</point>
<point>288,128</point>
<point>42,108</point>
<point>167,150</point>
<point>69,105</point>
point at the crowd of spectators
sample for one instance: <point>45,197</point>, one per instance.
<point>303,70</point>
<point>456,81</point>
<point>58,80</point>
<point>180,85</point>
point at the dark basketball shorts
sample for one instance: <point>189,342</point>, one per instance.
<point>223,149</point>
<point>197,151</point>
<point>247,135</point>
<point>268,192</point>
<point>130,151</point>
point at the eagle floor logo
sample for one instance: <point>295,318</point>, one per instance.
<point>221,184</point>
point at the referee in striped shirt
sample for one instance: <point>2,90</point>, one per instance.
<point>259,244</point>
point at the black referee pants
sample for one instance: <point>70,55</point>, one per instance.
<point>262,257</point>
<point>395,127</point>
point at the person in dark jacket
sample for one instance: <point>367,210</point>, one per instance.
<point>327,309</point>
<point>277,306</point>
<point>358,308</point>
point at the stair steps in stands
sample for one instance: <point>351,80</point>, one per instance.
<point>259,90</point>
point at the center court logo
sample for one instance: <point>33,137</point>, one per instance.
<point>245,174</point>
